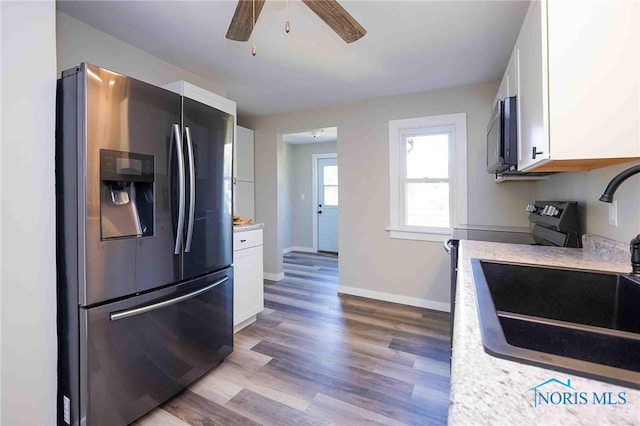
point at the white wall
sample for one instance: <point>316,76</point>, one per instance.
<point>78,42</point>
<point>28,213</point>
<point>302,211</point>
<point>369,259</point>
<point>586,188</point>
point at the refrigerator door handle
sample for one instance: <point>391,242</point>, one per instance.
<point>148,308</point>
<point>192,188</point>
<point>180,155</point>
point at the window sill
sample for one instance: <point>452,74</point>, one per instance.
<point>419,234</point>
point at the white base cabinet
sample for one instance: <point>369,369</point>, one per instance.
<point>248,292</point>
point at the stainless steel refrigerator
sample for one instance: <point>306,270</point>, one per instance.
<point>144,244</point>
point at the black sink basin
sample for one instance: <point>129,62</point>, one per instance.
<point>587,323</point>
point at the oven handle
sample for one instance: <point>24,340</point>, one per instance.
<point>447,245</point>
<point>143,309</point>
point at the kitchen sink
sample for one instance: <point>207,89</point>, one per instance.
<point>582,322</point>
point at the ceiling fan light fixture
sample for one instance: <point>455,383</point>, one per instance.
<point>330,11</point>
<point>253,25</point>
<point>287,26</point>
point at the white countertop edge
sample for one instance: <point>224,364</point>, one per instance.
<point>249,227</point>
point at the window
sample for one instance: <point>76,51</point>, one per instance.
<point>427,165</point>
<point>330,185</point>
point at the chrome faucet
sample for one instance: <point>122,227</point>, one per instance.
<point>607,197</point>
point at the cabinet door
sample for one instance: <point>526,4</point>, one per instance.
<point>502,90</point>
<point>531,64</point>
<point>594,75</point>
<point>245,206</point>
<point>512,76</point>
<point>244,155</point>
<point>248,296</point>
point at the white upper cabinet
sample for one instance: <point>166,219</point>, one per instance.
<point>204,96</point>
<point>243,162</point>
<point>594,75</point>
<point>511,76</point>
<point>243,155</point>
<point>533,137</point>
<point>508,84</point>
<point>577,68</point>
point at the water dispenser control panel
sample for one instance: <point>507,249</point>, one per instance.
<point>127,194</point>
<point>126,166</point>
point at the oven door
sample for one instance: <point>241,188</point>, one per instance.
<point>141,351</point>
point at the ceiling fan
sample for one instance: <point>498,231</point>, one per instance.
<point>334,15</point>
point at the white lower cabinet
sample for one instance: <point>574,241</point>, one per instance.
<point>248,292</point>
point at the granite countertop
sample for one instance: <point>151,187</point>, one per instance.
<point>490,390</point>
<point>249,227</point>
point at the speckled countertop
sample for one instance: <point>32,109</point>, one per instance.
<point>250,227</point>
<point>486,390</point>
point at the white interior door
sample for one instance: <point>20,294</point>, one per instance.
<point>327,204</point>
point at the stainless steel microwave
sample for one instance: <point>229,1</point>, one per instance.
<point>502,137</point>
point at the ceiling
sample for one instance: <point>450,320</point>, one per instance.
<point>410,46</point>
<point>326,134</point>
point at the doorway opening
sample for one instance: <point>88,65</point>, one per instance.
<point>310,201</point>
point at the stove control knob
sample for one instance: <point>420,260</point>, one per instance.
<point>530,208</point>
<point>554,211</point>
<point>545,210</point>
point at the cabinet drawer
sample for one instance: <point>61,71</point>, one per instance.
<point>246,239</point>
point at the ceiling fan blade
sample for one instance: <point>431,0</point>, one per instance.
<point>242,22</point>
<point>337,18</point>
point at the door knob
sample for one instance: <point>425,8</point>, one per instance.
<point>320,212</point>
<point>319,205</point>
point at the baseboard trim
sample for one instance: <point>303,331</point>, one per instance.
<point>244,324</point>
<point>394,298</point>
<point>273,277</point>
<point>302,249</point>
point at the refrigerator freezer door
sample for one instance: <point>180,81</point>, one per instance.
<point>126,115</point>
<point>209,137</point>
<point>143,350</point>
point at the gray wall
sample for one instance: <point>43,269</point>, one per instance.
<point>586,188</point>
<point>369,259</point>
<point>302,181</point>
<point>78,42</point>
<point>285,194</point>
<point>28,213</point>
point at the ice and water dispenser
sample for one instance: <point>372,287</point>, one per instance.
<point>126,194</point>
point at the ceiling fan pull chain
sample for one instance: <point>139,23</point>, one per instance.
<point>287,26</point>
<point>253,25</point>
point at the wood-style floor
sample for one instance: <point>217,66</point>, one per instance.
<point>316,358</point>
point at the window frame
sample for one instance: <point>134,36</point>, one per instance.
<point>456,125</point>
